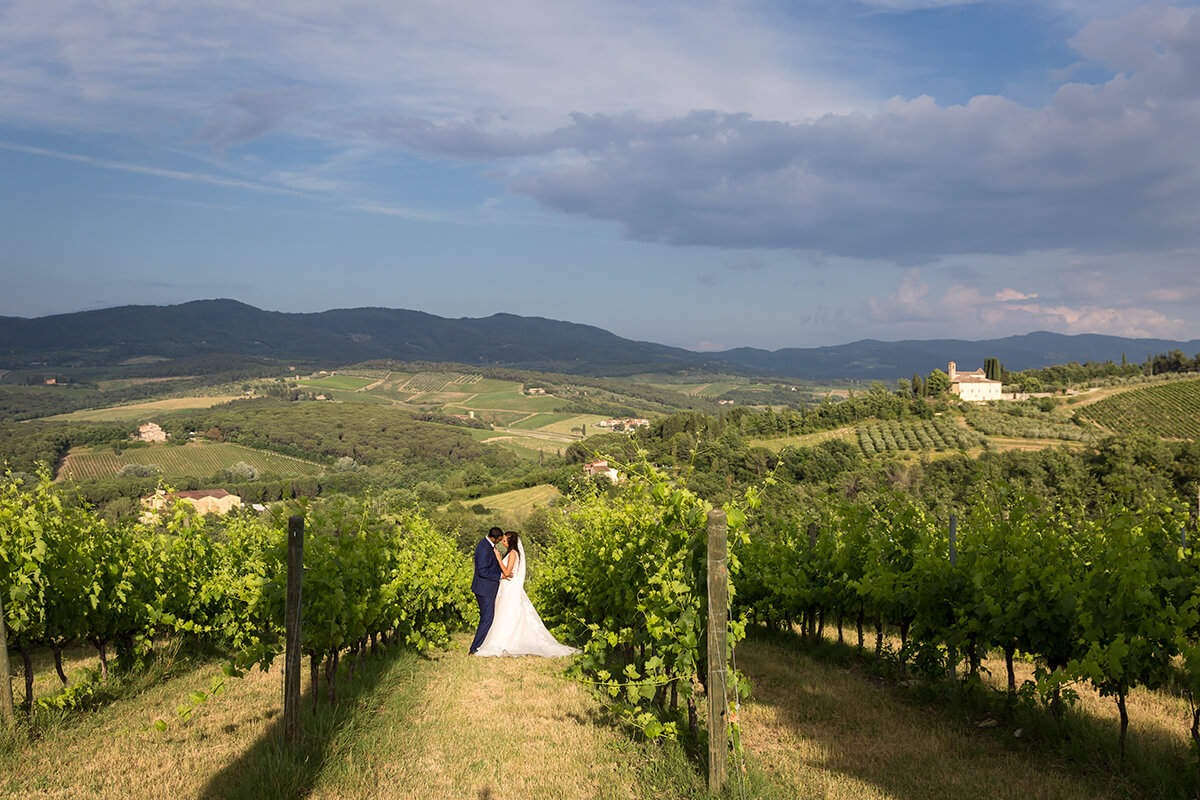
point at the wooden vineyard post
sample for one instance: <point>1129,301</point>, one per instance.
<point>292,616</point>
<point>6,700</point>
<point>718,624</point>
<point>953,659</point>
<point>1195,521</point>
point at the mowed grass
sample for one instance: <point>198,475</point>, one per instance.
<point>435,726</point>
<point>197,459</point>
<point>511,401</point>
<point>143,411</point>
<point>521,500</point>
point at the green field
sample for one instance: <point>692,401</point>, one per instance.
<point>568,425</point>
<point>524,446</point>
<point>1169,410</point>
<point>511,401</point>
<point>125,383</point>
<point>536,421</point>
<point>359,397</point>
<point>344,382</point>
<point>195,460</point>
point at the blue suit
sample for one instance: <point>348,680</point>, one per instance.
<point>485,584</point>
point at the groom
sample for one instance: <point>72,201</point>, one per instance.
<point>486,583</point>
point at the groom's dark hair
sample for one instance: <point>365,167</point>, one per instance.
<point>495,533</point>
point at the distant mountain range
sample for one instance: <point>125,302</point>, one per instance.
<point>114,335</point>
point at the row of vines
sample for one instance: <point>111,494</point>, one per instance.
<point>68,576</point>
<point>940,434</point>
<point>1113,601</point>
<point>1169,410</point>
<point>627,578</point>
<point>997,423</point>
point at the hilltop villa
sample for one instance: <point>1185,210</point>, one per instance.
<point>973,387</point>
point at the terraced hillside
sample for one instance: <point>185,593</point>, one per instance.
<point>1170,410</point>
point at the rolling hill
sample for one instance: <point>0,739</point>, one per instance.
<point>209,327</point>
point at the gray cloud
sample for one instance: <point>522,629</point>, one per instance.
<point>249,113</point>
<point>1101,167</point>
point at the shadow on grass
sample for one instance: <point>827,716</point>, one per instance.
<point>874,727</point>
<point>271,768</point>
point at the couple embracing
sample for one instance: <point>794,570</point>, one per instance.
<point>509,625</point>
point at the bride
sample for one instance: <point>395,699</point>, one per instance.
<point>517,630</point>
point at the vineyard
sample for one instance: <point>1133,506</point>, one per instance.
<point>892,436</point>
<point>995,423</point>
<point>1170,410</point>
<point>195,460</point>
<point>67,576</point>
<point>1114,601</point>
<point>425,382</point>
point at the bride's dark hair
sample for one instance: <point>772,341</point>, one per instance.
<point>513,542</point>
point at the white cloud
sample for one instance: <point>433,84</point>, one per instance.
<point>915,310</point>
<point>117,65</point>
<point>1008,295</point>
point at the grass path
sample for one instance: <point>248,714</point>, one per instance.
<point>429,726</point>
<point>445,725</point>
<point>485,728</point>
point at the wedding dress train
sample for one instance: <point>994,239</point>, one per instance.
<point>517,630</point>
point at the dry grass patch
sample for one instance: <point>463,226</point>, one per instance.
<point>114,753</point>
<point>829,731</point>
<point>140,411</point>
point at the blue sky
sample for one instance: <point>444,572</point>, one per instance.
<point>702,174</point>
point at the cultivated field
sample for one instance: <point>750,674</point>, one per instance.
<point>1169,410</point>
<point>199,460</point>
<point>512,400</point>
<point>521,500</point>
<point>922,435</point>
<point>803,440</point>
<point>346,383</point>
<point>569,425</point>
<point>143,411</point>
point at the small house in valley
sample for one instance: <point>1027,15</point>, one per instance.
<point>206,501</point>
<point>150,432</point>
<point>601,467</point>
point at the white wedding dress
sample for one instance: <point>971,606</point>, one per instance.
<point>517,630</point>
